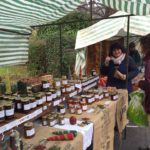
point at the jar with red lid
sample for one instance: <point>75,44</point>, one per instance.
<point>84,105</point>
<point>78,110</point>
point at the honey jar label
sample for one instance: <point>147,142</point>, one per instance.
<point>9,112</point>
<point>40,101</point>
<point>30,132</point>
<point>52,123</point>
<point>33,105</point>
<point>58,83</point>
<point>64,82</point>
<point>46,85</point>
<point>115,97</point>
<point>2,114</point>
<point>54,95</point>
<point>84,107</point>
<point>101,96</point>
<point>49,98</point>
<point>58,93</point>
<point>68,89</point>
<point>96,96</point>
<point>27,107</point>
<point>44,99</point>
<point>19,106</point>
<point>62,110</point>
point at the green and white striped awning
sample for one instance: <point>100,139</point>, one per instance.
<point>108,28</point>
<point>16,19</point>
<point>136,7</point>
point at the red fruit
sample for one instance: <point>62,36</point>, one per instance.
<point>73,120</point>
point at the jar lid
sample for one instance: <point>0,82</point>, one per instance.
<point>28,124</point>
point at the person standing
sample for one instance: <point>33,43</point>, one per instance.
<point>115,68</point>
<point>134,54</point>
<point>145,84</point>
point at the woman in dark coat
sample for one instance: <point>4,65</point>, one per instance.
<point>115,68</point>
<point>145,84</point>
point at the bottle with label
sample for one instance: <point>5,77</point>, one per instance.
<point>29,130</point>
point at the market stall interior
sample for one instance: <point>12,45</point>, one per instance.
<point>74,113</point>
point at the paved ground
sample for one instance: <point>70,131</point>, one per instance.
<point>135,137</point>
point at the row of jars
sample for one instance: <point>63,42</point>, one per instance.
<point>53,119</point>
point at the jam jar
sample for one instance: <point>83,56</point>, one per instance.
<point>57,83</point>
<point>33,103</point>
<point>64,80</point>
<point>29,130</point>
<point>90,99</point>
<point>61,120</point>
<point>45,85</point>
<point>39,99</point>
<point>96,95</point>
<point>48,96</point>
<point>26,105</point>
<point>9,110</point>
<point>43,96</point>
<point>63,89</point>
<point>101,96</point>
<point>93,72</point>
<point>61,109</point>
<point>114,96</point>
<point>58,92</point>
<point>2,113</point>
<point>18,104</point>
<point>84,105</point>
<point>44,121</point>
<point>51,121</point>
<point>78,110</point>
<point>106,94</point>
<point>68,89</point>
<point>72,109</point>
<point>54,95</point>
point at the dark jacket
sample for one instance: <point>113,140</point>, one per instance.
<point>136,57</point>
<point>145,84</point>
<point>109,72</point>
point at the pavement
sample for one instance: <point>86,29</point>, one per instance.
<point>134,138</point>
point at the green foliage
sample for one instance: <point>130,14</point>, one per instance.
<point>45,57</point>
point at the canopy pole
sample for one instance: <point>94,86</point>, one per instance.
<point>60,47</point>
<point>91,15</point>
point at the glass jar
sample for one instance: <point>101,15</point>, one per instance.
<point>72,109</point>
<point>96,95</point>
<point>43,96</point>
<point>57,83</point>
<point>93,72</point>
<point>54,95</point>
<point>44,121</point>
<point>106,94</point>
<point>63,90</point>
<point>58,92</point>
<point>51,121</point>
<point>18,105</point>
<point>48,96</point>
<point>39,99</point>
<point>114,96</point>
<point>78,110</point>
<point>84,105</point>
<point>33,103</point>
<point>89,99</point>
<point>29,130</point>
<point>101,96</point>
<point>2,113</point>
<point>61,109</point>
<point>61,120</point>
<point>26,105</point>
<point>64,80</point>
<point>9,110</point>
<point>45,85</point>
<point>68,89</point>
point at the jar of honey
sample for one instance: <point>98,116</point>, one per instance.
<point>61,109</point>
<point>114,96</point>
<point>33,103</point>
<point>51,121</point>
<point>45,85</point>
<point>68,89</point>
<point>39,99</point>
<point>29,130</point>
<point>78,110</point>
<point>63,90</point>
<point>18,105</point>
<point>64,80</point>
<point>72,109</point>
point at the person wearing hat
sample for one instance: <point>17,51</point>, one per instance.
<point>115,68</point>
<point>134,54</point>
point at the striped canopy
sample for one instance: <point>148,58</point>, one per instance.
<point>17,17</point>
<point>136,7</point>
<point>108,28</point>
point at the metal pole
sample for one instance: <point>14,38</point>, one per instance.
<point>128,30</point>
<point>91,10</point>
<point>60,47</point>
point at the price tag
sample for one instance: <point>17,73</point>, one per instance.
<point>11,125</point>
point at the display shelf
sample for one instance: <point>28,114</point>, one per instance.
<point>21,118</point>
